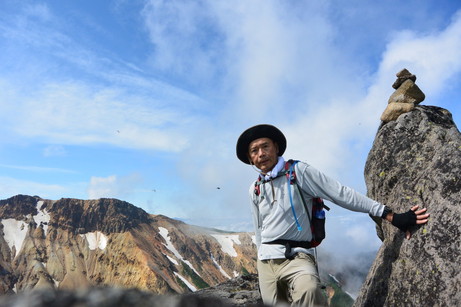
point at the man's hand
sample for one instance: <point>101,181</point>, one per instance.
<point>404,221</point>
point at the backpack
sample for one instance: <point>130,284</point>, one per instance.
<point>317,219</point>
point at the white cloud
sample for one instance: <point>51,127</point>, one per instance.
<point>76,113</point>
<point>349,232</point>
<point>185,39</point>
<point>11,186</point>
<point>261,50</point>
<point>434,57</point>
<point>277,56</point>
<point>70,94</point>
<point>37,168</point>
<point>38,10</point>
<point>101,187</point>
<point>113,186</point>
<point>359,235</point>
<point>54,151</point>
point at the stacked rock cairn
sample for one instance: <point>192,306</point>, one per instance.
<point>406,97</point>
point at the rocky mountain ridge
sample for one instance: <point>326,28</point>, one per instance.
<point>91,246</point>
<point>71,243</point>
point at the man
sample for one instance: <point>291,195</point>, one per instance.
<point>287,272</point>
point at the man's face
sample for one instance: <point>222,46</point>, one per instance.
<point>263,153</point>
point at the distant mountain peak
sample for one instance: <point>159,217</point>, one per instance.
<point>70,243</point>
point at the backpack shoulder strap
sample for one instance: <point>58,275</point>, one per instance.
<point>257,189</point>
<point>289,169</point>
<point>284,172</point>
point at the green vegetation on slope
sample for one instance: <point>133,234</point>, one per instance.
<point>196,279</point>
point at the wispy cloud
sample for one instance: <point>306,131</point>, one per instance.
<point>75,113</point>
<point>12,186</point>
<point>116,105</point>
<point>186,40</point>
<point>113,186</point>
<point>54,151</point>
<point>38,169</point>
<point>434,57</point>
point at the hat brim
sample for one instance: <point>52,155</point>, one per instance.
<point>257,132</point>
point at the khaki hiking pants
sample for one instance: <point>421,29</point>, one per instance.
<point>290,281</point>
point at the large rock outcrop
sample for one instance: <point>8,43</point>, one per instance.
<point>416,160</point>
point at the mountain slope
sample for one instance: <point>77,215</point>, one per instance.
<point>71,243</point>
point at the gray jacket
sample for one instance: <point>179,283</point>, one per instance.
<point>272,213</point>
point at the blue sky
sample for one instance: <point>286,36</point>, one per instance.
<point>144,100</point>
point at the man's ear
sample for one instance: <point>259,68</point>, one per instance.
<point>249,159</point>
<point>276,148</point>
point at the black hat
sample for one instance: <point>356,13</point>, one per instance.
<point>257,132</point>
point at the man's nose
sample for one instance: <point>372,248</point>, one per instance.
<point>261,152</point>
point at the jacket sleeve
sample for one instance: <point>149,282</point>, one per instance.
<point>317,184</point>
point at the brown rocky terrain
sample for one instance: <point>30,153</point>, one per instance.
<point>71,243</point>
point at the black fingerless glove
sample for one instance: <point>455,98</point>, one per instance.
<point>404,221</point>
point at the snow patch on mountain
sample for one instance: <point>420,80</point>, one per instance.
<point>95,240</point>
<point>14,233</point>
<point>227,243</point>
<point>188,284</point>
<point>42,217</point>
<point>172,260</point>
<point>220,267</point>
<point>334,278</point>
<point>164,233</point>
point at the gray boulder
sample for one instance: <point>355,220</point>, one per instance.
<point>416,160</point>
<point>240,291</point>
<point>106,297</point>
